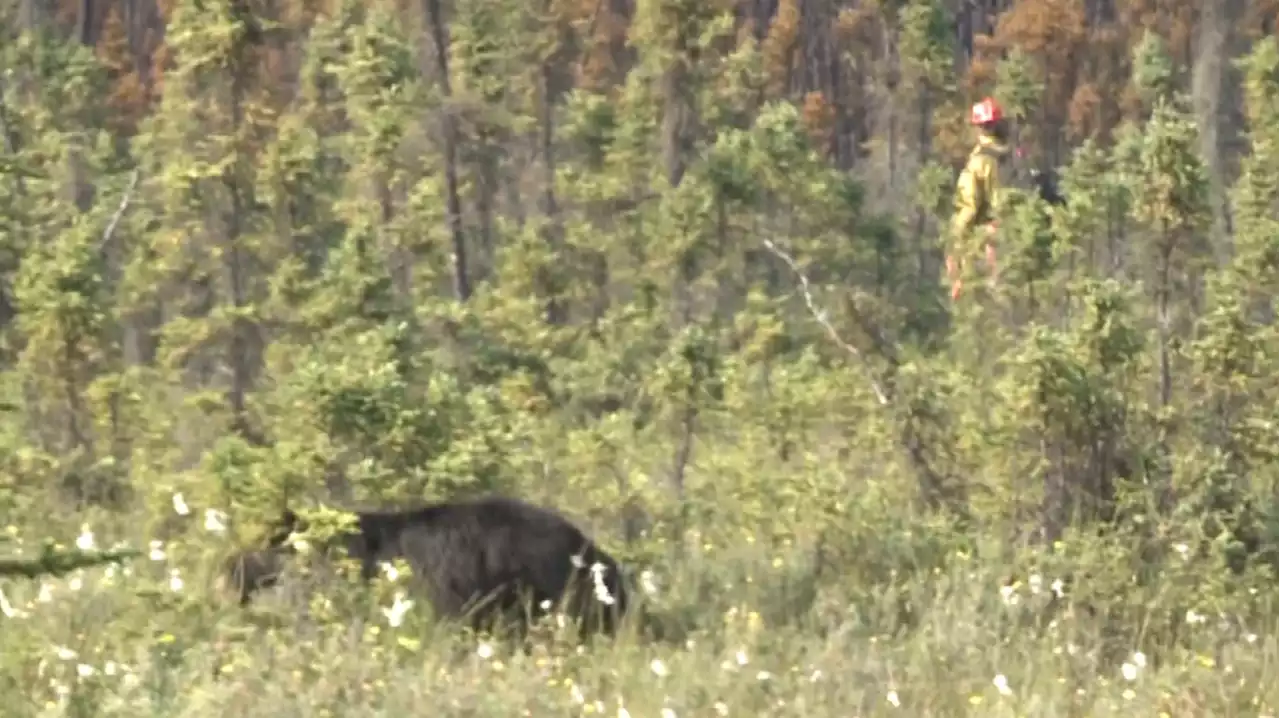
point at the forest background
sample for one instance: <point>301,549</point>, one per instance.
<point>674,268</point>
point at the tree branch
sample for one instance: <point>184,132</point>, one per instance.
<point>820,315</point>
<point>55,562</point>
<point>935,487</point>
<point>124,205</point>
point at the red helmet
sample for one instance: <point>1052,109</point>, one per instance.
<point>985,112</point>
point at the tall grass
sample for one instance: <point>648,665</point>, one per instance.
<point>751,632</point>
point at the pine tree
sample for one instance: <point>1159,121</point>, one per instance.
<point>62,290</point>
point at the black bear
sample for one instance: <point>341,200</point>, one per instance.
<point>1046,184</point>
<point>483,559</point>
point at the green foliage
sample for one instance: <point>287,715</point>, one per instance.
<point>926,42</point>
<point>1018,84</point>
<point>1153,70</point>
<point>835,492</point>
<point>1170,180</point>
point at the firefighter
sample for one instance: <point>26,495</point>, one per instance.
<point>977,191</point>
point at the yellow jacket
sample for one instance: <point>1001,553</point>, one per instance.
<point>978,188</point>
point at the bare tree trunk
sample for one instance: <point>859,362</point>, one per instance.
<point>486,192</point>
<point>891,85</point>
<point>677,144</point>
<point>400,260</point>
<point>924,249</point>
<point>1210,74</point>
<point>9,143</point>
<point>32,14</point>
<point>240,348</point>
<point>72,361</point>
<point>551,90</point>
<point>677,113</point>
<point>1164,322</point>
<point>9,136</point>
<point>84,22</point>
<point>1054,508</point>
<point>684,450</point>
<point>449,130</point>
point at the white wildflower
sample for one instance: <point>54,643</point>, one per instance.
<point>65,654</point>
<point>647,582</point>
<point>84,670</point>
<point>1129,671</point>
<point>395,614</point>
<point>215,521</point>
<point>1034,582</point>
<point>85,541</point>
<point>658,667</point>
<point>1057,587</point>
<point>1140,659</point>
<point>623,712</point>
<point>575,694</point>
<point>667,713</point>
<point>46,593</point>
<point>7,608</point>
<point>1194,618</point>
<point>741,658</point>
<point>157,551</point>
<point>601,590</point>
<point>109,668</point>
<point>180,505</point>
<point>298,543</point>
<point>1009,594</point>
<point>1002,685</point>
<point>1251,638</point>
<point>1182,549</point>
<point>720,708</point>
<point>484,651</point>
<point>1128,694</point>
<point>390,571</point>
<point>75,583</point>
<point>764,676</point>
<point>175,580</point>
<point>893,699</point>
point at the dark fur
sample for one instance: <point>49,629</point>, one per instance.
<point>248,572</point>
<point>483,560</point>
<point>1046,184</point>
